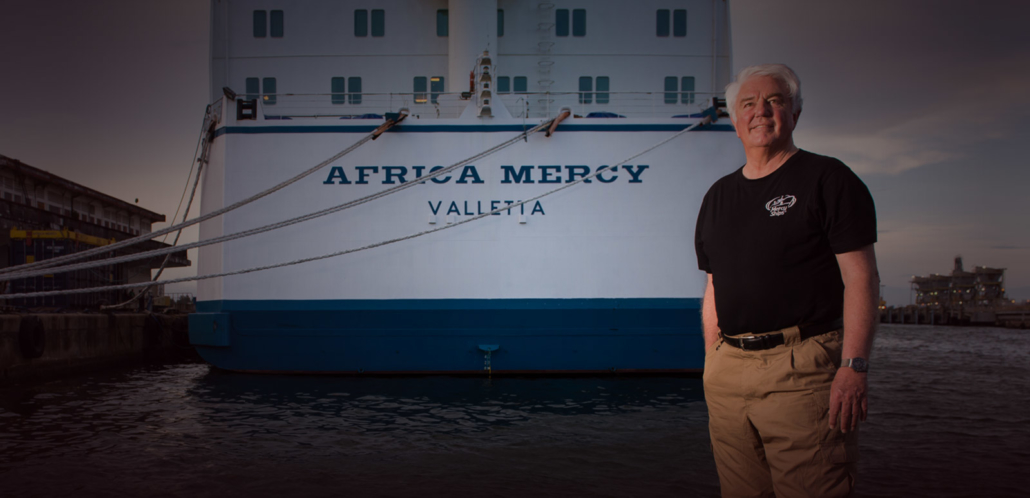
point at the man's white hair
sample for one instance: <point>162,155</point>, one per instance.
<point>779,71</point>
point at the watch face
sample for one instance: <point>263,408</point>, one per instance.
<point>859,364</point>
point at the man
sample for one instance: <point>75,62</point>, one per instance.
<point>790,307</point>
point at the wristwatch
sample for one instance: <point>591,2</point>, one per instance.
<point>856,364</point>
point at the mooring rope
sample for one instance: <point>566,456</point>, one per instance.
<point>274,226</point>
<point>145,237</point>
<point>705,120</point>
<point>202,140</point>
<point>206,136</point>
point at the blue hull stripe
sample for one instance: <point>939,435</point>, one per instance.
<point>447,304</point>
<point>450,335</point>
<point>250,130</point>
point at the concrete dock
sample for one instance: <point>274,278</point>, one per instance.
<point>1008,317</point>
<point>40,346</point>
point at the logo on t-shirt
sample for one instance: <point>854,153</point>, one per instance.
<point>779,205</point>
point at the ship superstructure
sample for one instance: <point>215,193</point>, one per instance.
<point>981,287</point>
<point>342,58</point>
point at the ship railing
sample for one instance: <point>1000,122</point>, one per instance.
<point>440,105</point>
<point>608,104</point>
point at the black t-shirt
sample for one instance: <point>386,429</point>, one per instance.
<point>770,243</point>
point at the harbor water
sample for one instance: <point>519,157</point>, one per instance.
<point>949,416</point>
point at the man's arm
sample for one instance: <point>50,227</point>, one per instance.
<point>709,321</point>
<point>861,287</point>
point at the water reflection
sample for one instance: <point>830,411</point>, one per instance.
<point>124,432</point>
<point>429,404</point>
<point>948,417</point>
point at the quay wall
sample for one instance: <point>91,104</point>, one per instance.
<point>39,346</point>
<point>1008,317</point>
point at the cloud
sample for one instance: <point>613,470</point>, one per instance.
<point>876,153</point>
<point>908,140</point>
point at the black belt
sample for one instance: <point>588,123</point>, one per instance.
<point>769,341</point>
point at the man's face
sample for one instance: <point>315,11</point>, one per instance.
<point>764,117</point>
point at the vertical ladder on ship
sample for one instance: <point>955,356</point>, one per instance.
<point>545,43</point>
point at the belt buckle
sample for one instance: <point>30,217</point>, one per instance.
<point>746,341</point>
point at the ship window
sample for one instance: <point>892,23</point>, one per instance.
<point>441,22</point>
<point>419,88</point>
<point>339,88</point>
<point>687,87</point>
<point>260,23</point>
<point>662,22</point>
<point>561,22</point>
<point>354,89</point>
<point>253,88</point>
<point>268,90</point>
<point>579,22</point>
<point>500,22</point>
<point>520,84</point>
<point>503,84</point>
<point>378,22</point>
<point>436,87</point>
<point>679,22</point>
<point>361,22</point>
<point>277,24</point>
<point>602,89</point>
<point>670,89</point>
<point>586,84</point>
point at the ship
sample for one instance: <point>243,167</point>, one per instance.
<point>512,186</point>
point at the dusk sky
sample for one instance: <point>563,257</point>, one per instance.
<point>928,101</point>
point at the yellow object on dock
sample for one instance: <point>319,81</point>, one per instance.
<point>60,234</point>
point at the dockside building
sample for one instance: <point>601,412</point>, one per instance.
<point>43,216</point>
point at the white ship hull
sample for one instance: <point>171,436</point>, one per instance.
<point>596,277</point>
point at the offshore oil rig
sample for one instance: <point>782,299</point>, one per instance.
<point>962,298</point>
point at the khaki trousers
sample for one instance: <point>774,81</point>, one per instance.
<point>769,419</point>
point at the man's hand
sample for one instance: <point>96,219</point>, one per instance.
<point>861,283</point>
<point>848,399</point>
